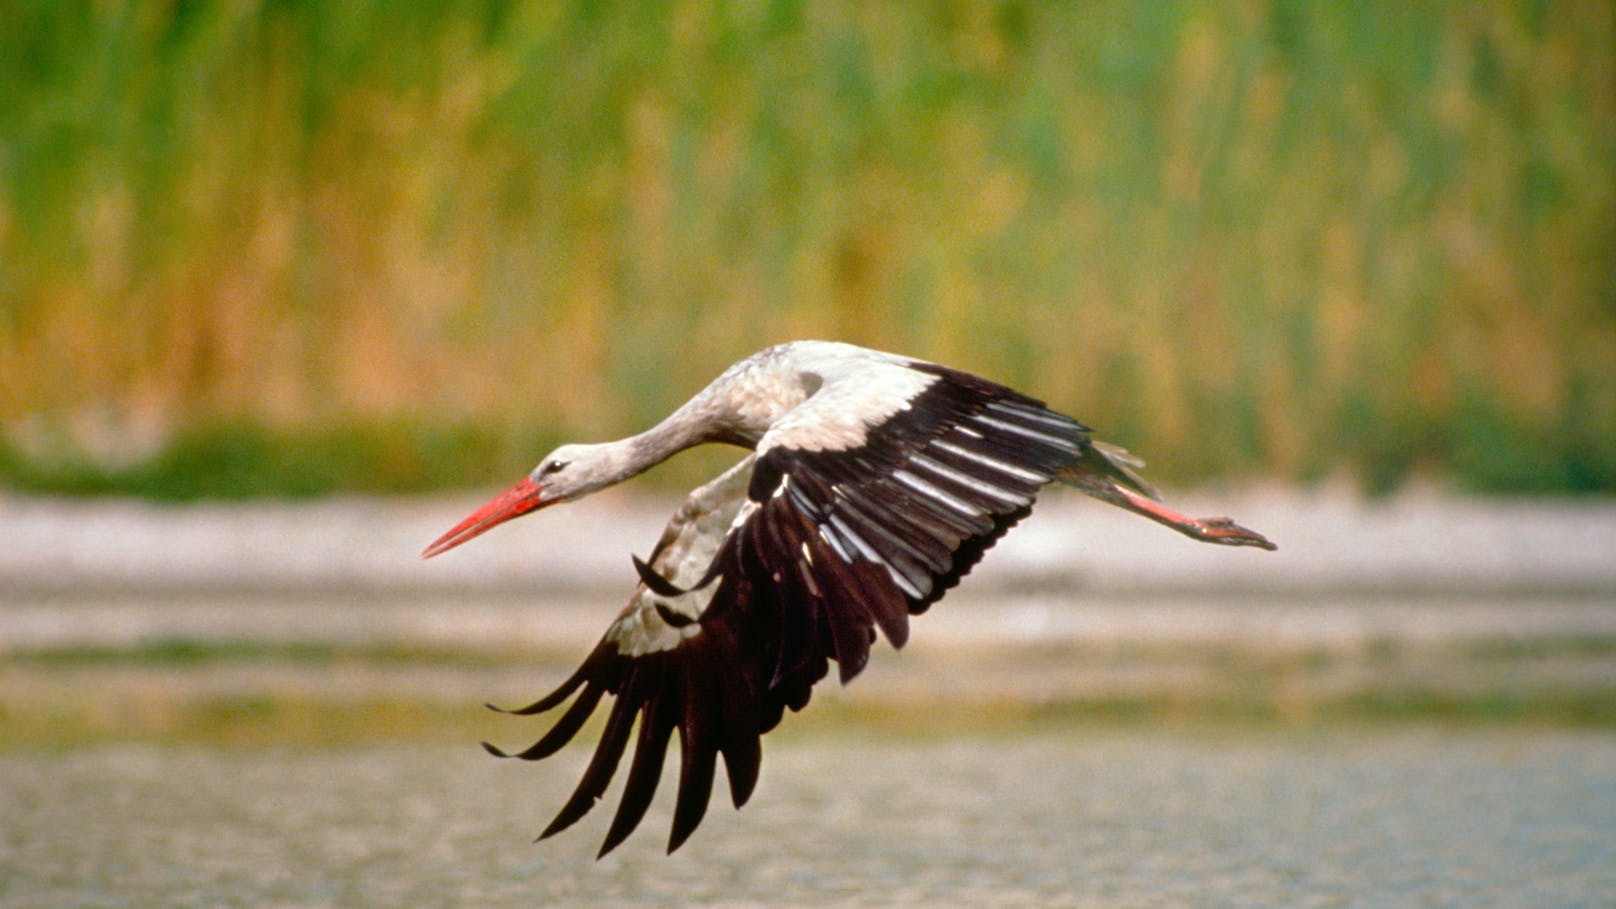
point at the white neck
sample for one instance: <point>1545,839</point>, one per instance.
<point>688,426</point>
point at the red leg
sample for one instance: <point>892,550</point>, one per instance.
<point>1208,530</point>
<point>1223,531</point>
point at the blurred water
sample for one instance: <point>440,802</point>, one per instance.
<point>1394,819</point>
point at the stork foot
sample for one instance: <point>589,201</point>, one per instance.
<point>1220,530</point>
<point>1224,532</point>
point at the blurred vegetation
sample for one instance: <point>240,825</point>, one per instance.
<point>288,248</point>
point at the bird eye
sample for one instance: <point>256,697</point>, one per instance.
<point>551,467</point>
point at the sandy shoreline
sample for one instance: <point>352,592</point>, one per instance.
<point>113,573</point>
<point>1329,542</point>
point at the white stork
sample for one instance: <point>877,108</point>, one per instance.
<point>874,484</point>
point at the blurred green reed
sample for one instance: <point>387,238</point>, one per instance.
<point>283,248</point>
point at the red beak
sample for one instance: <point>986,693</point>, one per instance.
<point>512,503</point>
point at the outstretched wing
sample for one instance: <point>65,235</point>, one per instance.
<point>833,538</point>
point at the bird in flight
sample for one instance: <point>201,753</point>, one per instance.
<point>875,483</point>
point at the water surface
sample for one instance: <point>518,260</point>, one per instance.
<point>1374,818</point>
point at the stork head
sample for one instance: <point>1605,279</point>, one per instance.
<point>566,473</point>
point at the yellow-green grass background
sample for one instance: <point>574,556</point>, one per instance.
<point>279,248</point>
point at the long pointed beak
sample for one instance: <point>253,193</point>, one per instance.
<point>520,499</point>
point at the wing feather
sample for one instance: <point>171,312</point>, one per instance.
<point>644,772</point>
<point>565,728</point>
<point>609,751</point>
<point>698,754</point>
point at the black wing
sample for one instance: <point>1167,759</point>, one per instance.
<point>827,546</point>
